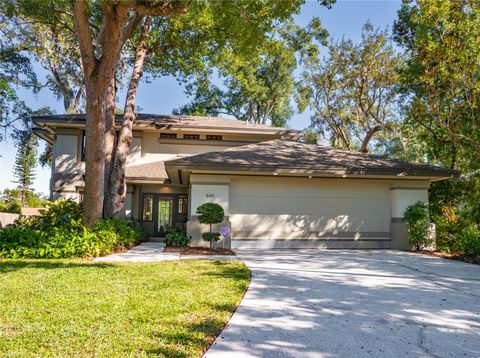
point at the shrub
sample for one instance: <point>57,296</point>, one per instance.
<point>13,207</point>
<point>59,233</point>
<point>63,212</point>
<point>210,213</point>
<point>469,238</point>
<point>418,219</point>
<point>211,236</point>
<point>455,206</point>
<point>177,238</point>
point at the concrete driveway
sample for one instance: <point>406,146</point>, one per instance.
<point>310,303</point>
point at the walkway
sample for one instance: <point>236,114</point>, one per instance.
<point>152,251</point>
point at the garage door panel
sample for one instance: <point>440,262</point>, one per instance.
<point>307,206</point>
<point>320,188</point>
<point>279,223</point>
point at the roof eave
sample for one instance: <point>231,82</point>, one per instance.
<point>174,168</point>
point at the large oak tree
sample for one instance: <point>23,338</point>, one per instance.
<point>102,29</point>
<point>353,92</point>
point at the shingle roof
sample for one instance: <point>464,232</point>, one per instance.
<point>155,170</point>
<point>172,122</point>
<point>293,155</point>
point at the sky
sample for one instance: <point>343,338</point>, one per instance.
<point>162,95</point>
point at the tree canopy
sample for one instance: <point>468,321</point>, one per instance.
<point>260,88</point>
<point>441,80</point>
<point>353,91</point>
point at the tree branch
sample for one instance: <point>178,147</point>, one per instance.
<point>84,35</point>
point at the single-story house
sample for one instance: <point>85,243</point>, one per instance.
<point>277,192</point>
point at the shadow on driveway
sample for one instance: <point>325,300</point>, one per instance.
<point>310,303</point>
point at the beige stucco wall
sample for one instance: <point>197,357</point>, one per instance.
<point>66,154</point>
<point>146,147</point>
<point>404,197</point>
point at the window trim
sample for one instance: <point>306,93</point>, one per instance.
<point>143,207</point>
<point>168,135</point>
<point>191,136</point>
<point>214,137</point>
<point>83,142</point>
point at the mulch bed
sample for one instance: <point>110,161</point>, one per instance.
<point>199,251</point>
<point>445,255</point>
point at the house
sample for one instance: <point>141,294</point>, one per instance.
<point>277,192</point>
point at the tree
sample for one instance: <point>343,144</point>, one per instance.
<point>260,88</point>
<point>103,29</point>
<point>15,71</point>
<point>25,162</point>
<point>210,213</point>
<point>206,36</point>
<point>441,80</point>
<point>353,91</point>
<point>32,199</point>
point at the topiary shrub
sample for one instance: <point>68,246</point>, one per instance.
<point>177,238</point>
<point>417,218</point>
<point>210,213</point>
<point>211,237</point>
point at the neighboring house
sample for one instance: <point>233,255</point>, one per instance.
<point>276,191</point>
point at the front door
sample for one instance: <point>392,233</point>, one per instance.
<point>162,212</point>
<point>163,215</point>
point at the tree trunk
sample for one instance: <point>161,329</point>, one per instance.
<point>117,181</point>
<point>110,144</point>
<point>98,70</point>
<point>368,137</point>
<point>211,238</point>
<point>94,158</point>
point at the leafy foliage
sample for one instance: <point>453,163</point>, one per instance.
<point>12,206</point>
<point>417,217</point>
<point>441,80</point>
<point>177,238</point>
<point>259,88</point>
<point>469,238</point>
<point>353,91</point>
<point>455,210</point>
<point>210,213</point>
<point>211,236</point>
<point>59,233</point>
<point>25,162</point>
<point>31,198</point>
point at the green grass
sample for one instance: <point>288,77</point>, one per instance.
<point>66,308</point>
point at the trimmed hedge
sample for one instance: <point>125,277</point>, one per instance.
<point>59,233</point>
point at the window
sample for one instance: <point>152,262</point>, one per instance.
<point>191,136</point>
<point>147,209</point>
<point>168,135</point>
<point>182,205</point>
<point>82,144</point>
<point>214,137</point>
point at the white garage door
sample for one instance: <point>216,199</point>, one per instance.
<point>301,212</point>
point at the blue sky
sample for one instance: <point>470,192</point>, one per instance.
<point>162,95</point>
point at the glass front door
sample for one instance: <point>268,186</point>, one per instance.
<point>162,212</point>
<point>164,217</point>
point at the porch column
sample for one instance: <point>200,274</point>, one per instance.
<point>208,189</point>
<point>400,199</point>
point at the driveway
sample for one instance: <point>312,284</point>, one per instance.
<point>310,303</point>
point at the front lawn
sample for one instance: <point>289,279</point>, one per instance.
<point>67,308</point>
